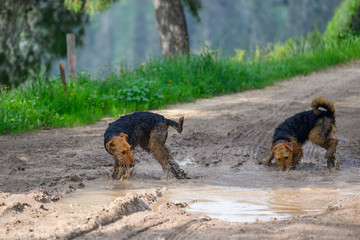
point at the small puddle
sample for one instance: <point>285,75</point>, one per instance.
<point>232,204</point>
<point>246,205</point>
<point>102,191</point>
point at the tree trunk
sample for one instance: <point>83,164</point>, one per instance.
<point>172,27</point>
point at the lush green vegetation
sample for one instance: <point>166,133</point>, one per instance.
<point>42,104</point>
<point>346,20</point>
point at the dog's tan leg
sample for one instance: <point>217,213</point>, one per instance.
<point>116,170</point>
<point>268,159</point>
<point>157,146</point>
<point>330,152</point>
<point>175,168</point>
<point>296,158</point>
<point>320,136</point>
<point>297,152</point>
<point>157,141</point>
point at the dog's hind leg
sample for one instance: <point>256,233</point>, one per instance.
<point>321,135</point>
<point>331,150</point>
<point>175,168</point>
<point>330,153</point>
<point>157,141</point>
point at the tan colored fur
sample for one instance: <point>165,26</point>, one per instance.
<point>288,154</point>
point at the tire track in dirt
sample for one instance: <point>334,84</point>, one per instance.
<point>184,231</point>
<point>115,211</point>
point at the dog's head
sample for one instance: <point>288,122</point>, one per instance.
<point>121,151</point>
<point>283,154</point>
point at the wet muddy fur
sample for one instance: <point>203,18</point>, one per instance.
<point>150,131</point>
<point>317,124</point>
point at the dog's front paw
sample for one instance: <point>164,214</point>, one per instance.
<point>128,174</point>
<point>292,167</point>
<point>115,175</point>
<point>337,165</point>
<point>118,173</point>
<point>265,162</point>
<point>178,173</point>
<point>331,162</point>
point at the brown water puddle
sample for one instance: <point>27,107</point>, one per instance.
<point>102,191</point>
<point>233,204</point>
<point>246,205</point>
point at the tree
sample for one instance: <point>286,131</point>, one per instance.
<point>32,34</point>
<point>170,19</point>
<point>172,27</point>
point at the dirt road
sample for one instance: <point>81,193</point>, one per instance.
<point>55,184</point>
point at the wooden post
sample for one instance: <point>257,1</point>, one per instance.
<point>62,75</point>
<point>71,55</point>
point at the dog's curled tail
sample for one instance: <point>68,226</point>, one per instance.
<point>321,102</point>
<point>177,125</point>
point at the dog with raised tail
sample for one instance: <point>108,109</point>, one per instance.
<point>317,124</point>
<point>150,131</point>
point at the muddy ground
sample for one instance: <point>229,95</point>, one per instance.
<point>223,141</point>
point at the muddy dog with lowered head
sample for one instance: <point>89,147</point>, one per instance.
<point>150,131</point>
<point>317,124</point>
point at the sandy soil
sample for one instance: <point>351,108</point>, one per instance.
<point>223,141</point>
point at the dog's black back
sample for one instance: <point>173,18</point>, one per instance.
<point>299,126</point>
<point>136,125</point>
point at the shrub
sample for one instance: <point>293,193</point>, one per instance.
<point>346,20</point>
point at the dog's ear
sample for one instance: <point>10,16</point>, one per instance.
<point>289,146</point>
<point>124,136</point>
<point>109,146</point>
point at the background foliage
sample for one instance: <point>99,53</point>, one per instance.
<point>346,20</point>
<point>32,34</point>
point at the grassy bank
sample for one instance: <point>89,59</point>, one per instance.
<point>40,104</point>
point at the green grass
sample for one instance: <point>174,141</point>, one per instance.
<point>345,20</point>
<point>39,104</point>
